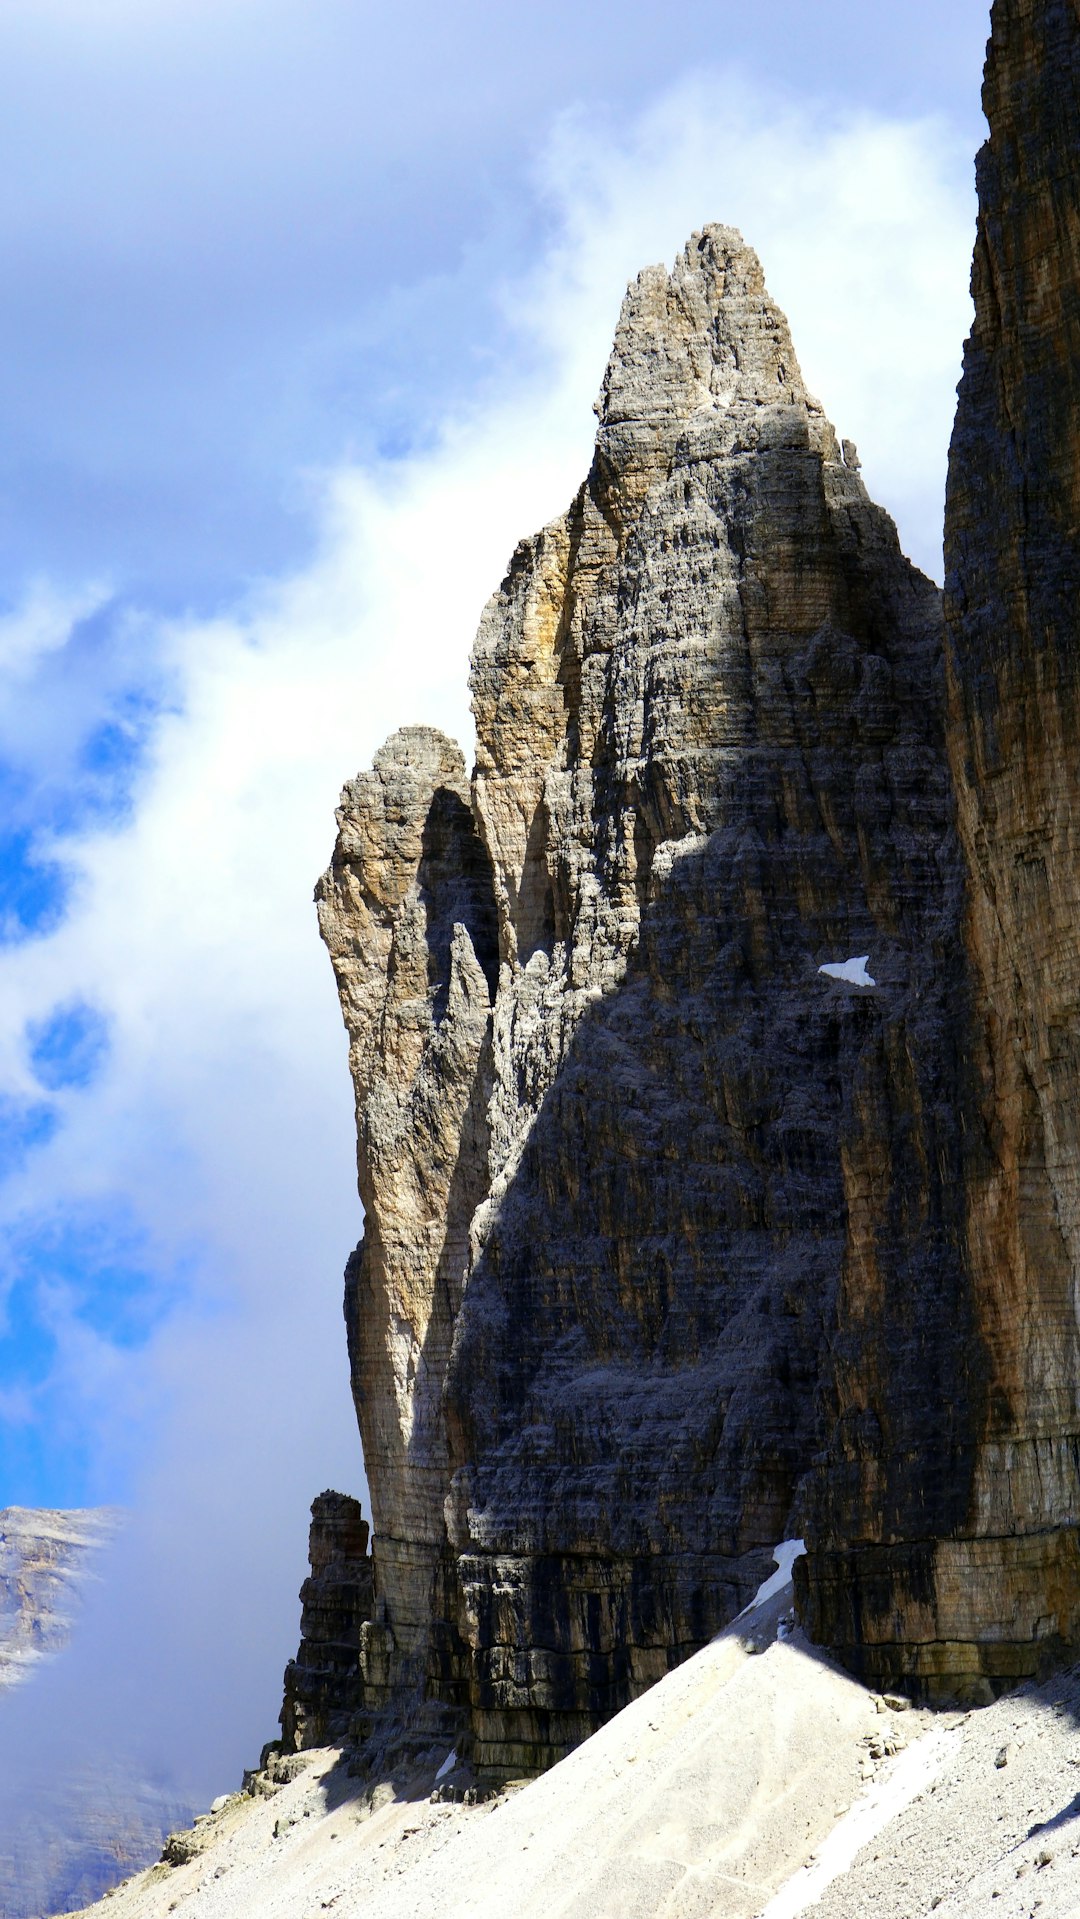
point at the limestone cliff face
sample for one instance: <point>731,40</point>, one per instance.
<point>1013,576</point>
<point>323,1684</point>
<point>629,1160</point>
<point>995,1591</point>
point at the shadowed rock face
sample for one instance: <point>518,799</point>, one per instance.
<point>323,1684</point>
<point>998,1593</point>
<point>1013,556</point>
<point>1013,578</point>
<point>637,1176</point>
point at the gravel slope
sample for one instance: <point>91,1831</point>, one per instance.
<point>737,1787</point>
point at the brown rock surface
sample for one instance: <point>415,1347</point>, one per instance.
<point>323,1684</point>
<point>1013,573</point>
<point>622,1147</point>
<point>998,1591</point>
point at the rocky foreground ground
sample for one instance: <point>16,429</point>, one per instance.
<point>758,1781</point>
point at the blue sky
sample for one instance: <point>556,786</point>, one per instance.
<point>243,238</point>
<point>303,309</point>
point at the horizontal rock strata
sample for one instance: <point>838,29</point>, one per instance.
<point>996,1594</point>
<point>1011,1580</point>
<point>638,1176</point>
<point>324,1686</point>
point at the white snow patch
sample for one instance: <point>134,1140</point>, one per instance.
<point>785,1555</point>
<point>907,1776</point>
<point>853,971</point>
<point>448,1765</point>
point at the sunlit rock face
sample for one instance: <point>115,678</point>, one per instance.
<point>635,1170</point>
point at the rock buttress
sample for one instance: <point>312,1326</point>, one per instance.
<point>324,1687</point>
<point>623,1148</point>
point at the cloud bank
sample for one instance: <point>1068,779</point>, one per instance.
<point>174,1099</point>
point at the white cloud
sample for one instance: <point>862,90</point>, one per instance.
<point>40,624</point>
<point>222,1121</point>
<point>864,227</point>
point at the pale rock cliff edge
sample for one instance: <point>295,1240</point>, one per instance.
<point>44,1562</point>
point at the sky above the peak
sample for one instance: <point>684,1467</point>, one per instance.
<point>246,239</point>
<point>303,309</point>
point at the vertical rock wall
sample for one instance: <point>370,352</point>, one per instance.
<point>407,911</point>
<point>990,1591</point>
<point>625,1152</point>
<point>44,1563</point>
<point>1013,584</point>
<point>1013,579</point>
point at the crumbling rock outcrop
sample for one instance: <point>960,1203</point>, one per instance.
<point>636,1174</point>
<point>324,1688</point>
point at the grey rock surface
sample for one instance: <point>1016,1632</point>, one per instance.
<point>323,1686</point>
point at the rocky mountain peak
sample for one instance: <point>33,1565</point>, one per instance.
<point>703,336</point>
<point>701,354</point>
<point>611,1116</point>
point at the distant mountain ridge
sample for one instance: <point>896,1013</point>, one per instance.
<point>44,1563</point>
<point>67,1833</point>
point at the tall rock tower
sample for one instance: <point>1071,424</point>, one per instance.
<point>637,1174</point>
<point>684,1235</point>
